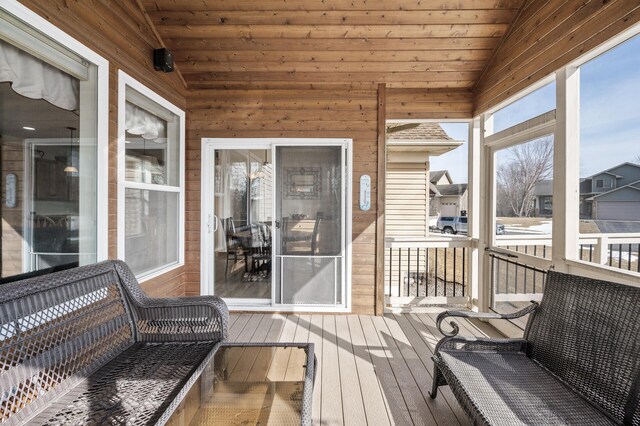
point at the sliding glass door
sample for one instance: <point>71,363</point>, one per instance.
<point>275,228</point>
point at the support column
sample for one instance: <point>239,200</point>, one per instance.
<point>566,168</point>
<point>475,214</point>
<point>380,201</point>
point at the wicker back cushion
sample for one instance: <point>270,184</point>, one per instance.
<point>587,332</point>
<point>56,329</point>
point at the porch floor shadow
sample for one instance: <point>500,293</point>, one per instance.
<point>371,370</point>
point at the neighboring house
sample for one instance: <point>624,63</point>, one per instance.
<point>543,198</point>
<point>612,194</point>
<point>409,185</point>
<point>447,198</point>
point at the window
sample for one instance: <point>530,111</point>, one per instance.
<point>151,180</point>
<point>610,156</point>
<point>52,105</point>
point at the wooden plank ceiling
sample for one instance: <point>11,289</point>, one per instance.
<point>265,43</point>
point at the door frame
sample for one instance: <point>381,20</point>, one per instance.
<point>207,269</point>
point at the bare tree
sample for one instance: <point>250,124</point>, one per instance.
<point>527,165</point>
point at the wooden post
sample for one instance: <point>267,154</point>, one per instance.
<point>475,214</point>
<point>566,168</point>
<point>382,159</point>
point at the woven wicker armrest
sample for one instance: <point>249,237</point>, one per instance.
<point>182,319</point>
<point>481,344</point>
<point>481,315</point>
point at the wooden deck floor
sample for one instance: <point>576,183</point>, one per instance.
<point>371,370</point>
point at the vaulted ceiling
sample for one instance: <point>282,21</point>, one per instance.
<point>404,43</point>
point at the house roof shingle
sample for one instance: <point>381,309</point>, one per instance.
<point>452,189</point>
<point>417,132</point>
<point>436,175</point>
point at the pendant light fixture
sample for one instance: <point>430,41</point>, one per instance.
<point>71,168</point>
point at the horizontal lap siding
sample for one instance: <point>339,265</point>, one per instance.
<point>295,113</point>
<point>547,36</point>
<point>406,200</point>
<point>118,32</point>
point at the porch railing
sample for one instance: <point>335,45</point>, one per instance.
<point>515,281</point>
<point>426,271</point>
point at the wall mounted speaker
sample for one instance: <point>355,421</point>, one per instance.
<point>163,60</point>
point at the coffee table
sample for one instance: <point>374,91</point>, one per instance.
<point>251,384</point>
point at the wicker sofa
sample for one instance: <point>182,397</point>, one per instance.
<point>578,362</point>
<point>87,346</point>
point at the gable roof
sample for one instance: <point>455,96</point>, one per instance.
<point>452,189</point>
<point>436,175</point>
<point>608,171</point>
<point>634,185</point>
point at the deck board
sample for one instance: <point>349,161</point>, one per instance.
<point>371,370</point>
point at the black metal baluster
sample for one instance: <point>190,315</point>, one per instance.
<point>446,263</point>
<point>455,272</point>
<point>464,270</point>
<point>390,269</point>
<point>399,271</point>
<point>435,292</point>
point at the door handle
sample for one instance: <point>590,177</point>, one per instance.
<point>213,218</point>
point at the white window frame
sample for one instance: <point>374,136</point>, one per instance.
<point>101,135</point>
<point>566,199</point>
<point>126,81</point>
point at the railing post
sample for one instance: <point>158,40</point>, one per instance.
<point>601,252</point>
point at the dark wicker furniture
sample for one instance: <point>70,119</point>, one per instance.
<point>87,346</point>
<point>578,362</point>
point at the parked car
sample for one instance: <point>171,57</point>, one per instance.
<point>459,225</point>
<point>452,224</point>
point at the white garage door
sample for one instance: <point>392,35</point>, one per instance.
<point>449,209</point>
<point>620,210</point>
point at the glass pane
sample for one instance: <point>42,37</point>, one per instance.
<point>534,104</point>
<point>524,190</point>
<point>310,281</point>
<point>152,142</point>
<point>151,229</point>
<point>47,164</point>
<point>610,158</point>
<point>310,200</point>
<point>243,205</point>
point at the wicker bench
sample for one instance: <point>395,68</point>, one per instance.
<point>87,346</point>
<point>578,362</point>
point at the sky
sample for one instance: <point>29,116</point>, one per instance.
<point>609,108</point>
<point>609,114</point>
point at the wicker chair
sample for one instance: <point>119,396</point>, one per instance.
<point>87,346</point>
<point>578,362</point>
